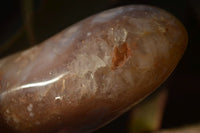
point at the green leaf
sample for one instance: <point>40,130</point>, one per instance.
<point>187,129</point>
<point>147,116</point>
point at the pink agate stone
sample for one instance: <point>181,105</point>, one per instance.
<point>92,72</point>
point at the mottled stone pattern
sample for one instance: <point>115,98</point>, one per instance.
<point>91,72</point>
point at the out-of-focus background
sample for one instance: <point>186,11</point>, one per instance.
<point>24,23</point>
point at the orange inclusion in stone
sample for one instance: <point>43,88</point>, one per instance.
<point>121,54</point>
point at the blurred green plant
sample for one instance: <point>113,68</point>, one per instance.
<point>147,116</point>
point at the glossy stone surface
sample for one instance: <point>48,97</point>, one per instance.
<point>91,72</point>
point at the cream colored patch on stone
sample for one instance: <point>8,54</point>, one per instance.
<point>89,34</point>
<point>31,114</point>
<point>58,98</point>
<point>7,111</point>
<point>72,30</point>
<point>63,86</point>
<point>87,63</point>
<point>30,107</point>
<point>119,35</point>
<point>108,15</point>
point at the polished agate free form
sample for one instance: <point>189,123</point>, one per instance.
<point>92,72</point>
